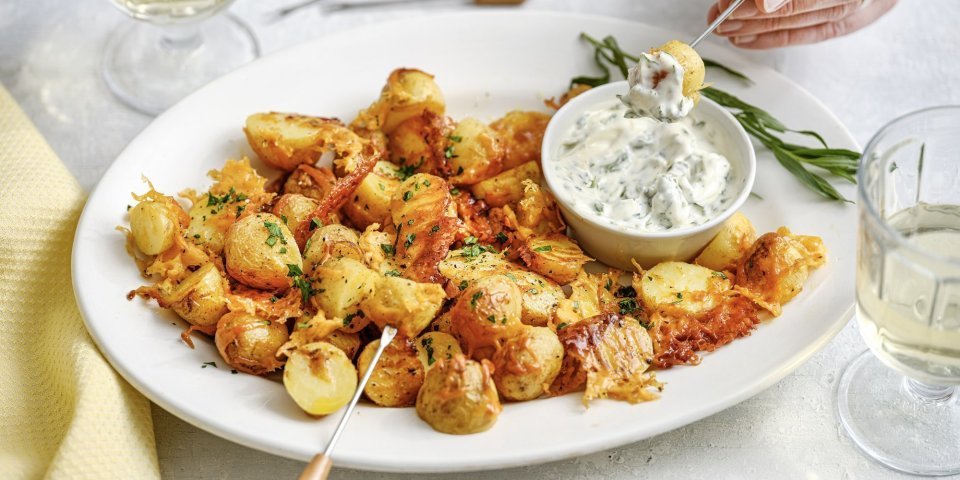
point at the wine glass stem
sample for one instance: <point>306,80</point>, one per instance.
<point>928,393</point>
<point>182,37</point>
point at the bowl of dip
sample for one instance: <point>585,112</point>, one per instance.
<point>643,190</point>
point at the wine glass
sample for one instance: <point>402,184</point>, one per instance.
<point>179,46</point>
<point>898,401</point>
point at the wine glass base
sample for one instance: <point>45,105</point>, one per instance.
<point>893,426</point>
<point>150,67</point>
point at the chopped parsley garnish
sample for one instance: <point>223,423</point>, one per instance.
<point>435,228</point>
<point>274,299</point>
<point>349,318</point>
<point>448,153</point>
<point>720,275</point>
<point>407,196</point>
<point>473,300</point>
<point>406,171</point>
<point>240,209</point>
<point>626,292</point>
<point>409,241</point>
<point>562,325</point>
<point>470,240</point>
<point>464,284</point>
<point>628,306</point>
<point>455,138</point>
<point>293,270</point>
<point>387,248</point>
<point>315,224</point>
<point>283,250</point>
<point>302,324</point>
<point>428,346</point>
<point>545,248</point>
<point>501,237</point>
<point>454,191</point>
<point>491,318</point>
<point>209,364</point>
<point>275,233</point>
<point>392,273</point>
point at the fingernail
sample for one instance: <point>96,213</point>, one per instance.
<point>745,39</point>
<point>773,5</point>
<point>747,10</point>
<point>730,26</point>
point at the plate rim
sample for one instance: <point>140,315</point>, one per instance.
<point>586,447</point>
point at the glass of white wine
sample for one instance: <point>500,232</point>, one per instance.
<point>899,401</point>
<point>178,46</point>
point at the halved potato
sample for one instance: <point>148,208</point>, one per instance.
<point>320,378</point>
<point>683,286</point>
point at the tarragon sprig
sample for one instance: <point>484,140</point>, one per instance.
<point>756,121</point>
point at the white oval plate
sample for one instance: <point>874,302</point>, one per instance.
<point>487,63</point>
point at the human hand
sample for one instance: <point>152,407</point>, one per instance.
<point>759,24</point>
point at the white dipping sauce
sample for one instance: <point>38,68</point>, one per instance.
<point>641,174</point>
<point>656,88</point>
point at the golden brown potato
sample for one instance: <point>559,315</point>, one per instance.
<point>583,302</point>
<point>554,256</point>
<point>609,354</point>
<point>156,221</point>
<point>773,271</point>
<point>521,134</point>
<point>249,343</point>
<point>433,346</point>
<point>295,209</point>
<point>408,93</point>
<point>537,212</point>
<point>459,397</point>
<point>201,297</point>
<point>341,284</point>
<point>507,187</point>
<point>693,68</point>
<point>423,214</point>
<point>258,251</point>
<point>527,364</point>
<point>724,251</point>
<point>330,241</point>
<point>377,248</point>
<point>474,152</point>
<point>286,140</point>
<point>539,295</point>
<point>320,378</point>
<point>486,313</point>
<point>407,305</point>
<point>683,287</point>
<point>310,181</point>
<point>417,144</point>
<point>371,200</point>
<point>398,375</point>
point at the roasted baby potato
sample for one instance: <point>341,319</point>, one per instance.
<point>155,222</point>
<point>416,145</point>
<point>349,342</point>
<point>693,68</point>
<point>683,286</point>
<point>486,313</point>
<point>258,251</point>
<point>407,305</point>
<point>398,375</point>
<point>249,343</point>
<point>773,271</point>
<point>286,140</point>
<point>433,346</point>
<point>200,298</point>
<point>608,354</point>
<point>425,220</point>
<point>521,134</point>
<point>554,256</point>
<point>371,200</point>
<point>320,378</point>
<point>459,397</point>
<point>724,251</point>
<point>539,295</point>
<point>408,93</point>
<point>330,241</point>
<point>506,187</point>
<point>474,152</point>
<point>537,211</point>
<point>341,284</point>
<point>527,363</point>
<point>294,209</point>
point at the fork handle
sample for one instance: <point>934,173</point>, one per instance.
<point>318,469</point>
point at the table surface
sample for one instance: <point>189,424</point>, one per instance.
<point>49,61</point>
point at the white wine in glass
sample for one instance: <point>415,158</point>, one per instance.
<point>898,401</point>
<point>176,47</point>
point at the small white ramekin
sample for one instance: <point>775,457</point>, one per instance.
<point>616,247</point>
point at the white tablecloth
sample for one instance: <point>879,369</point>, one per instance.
<point>49,58</point>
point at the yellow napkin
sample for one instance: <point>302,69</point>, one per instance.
<point>64,413</point>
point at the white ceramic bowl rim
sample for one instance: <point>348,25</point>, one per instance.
<point>741,142</point>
